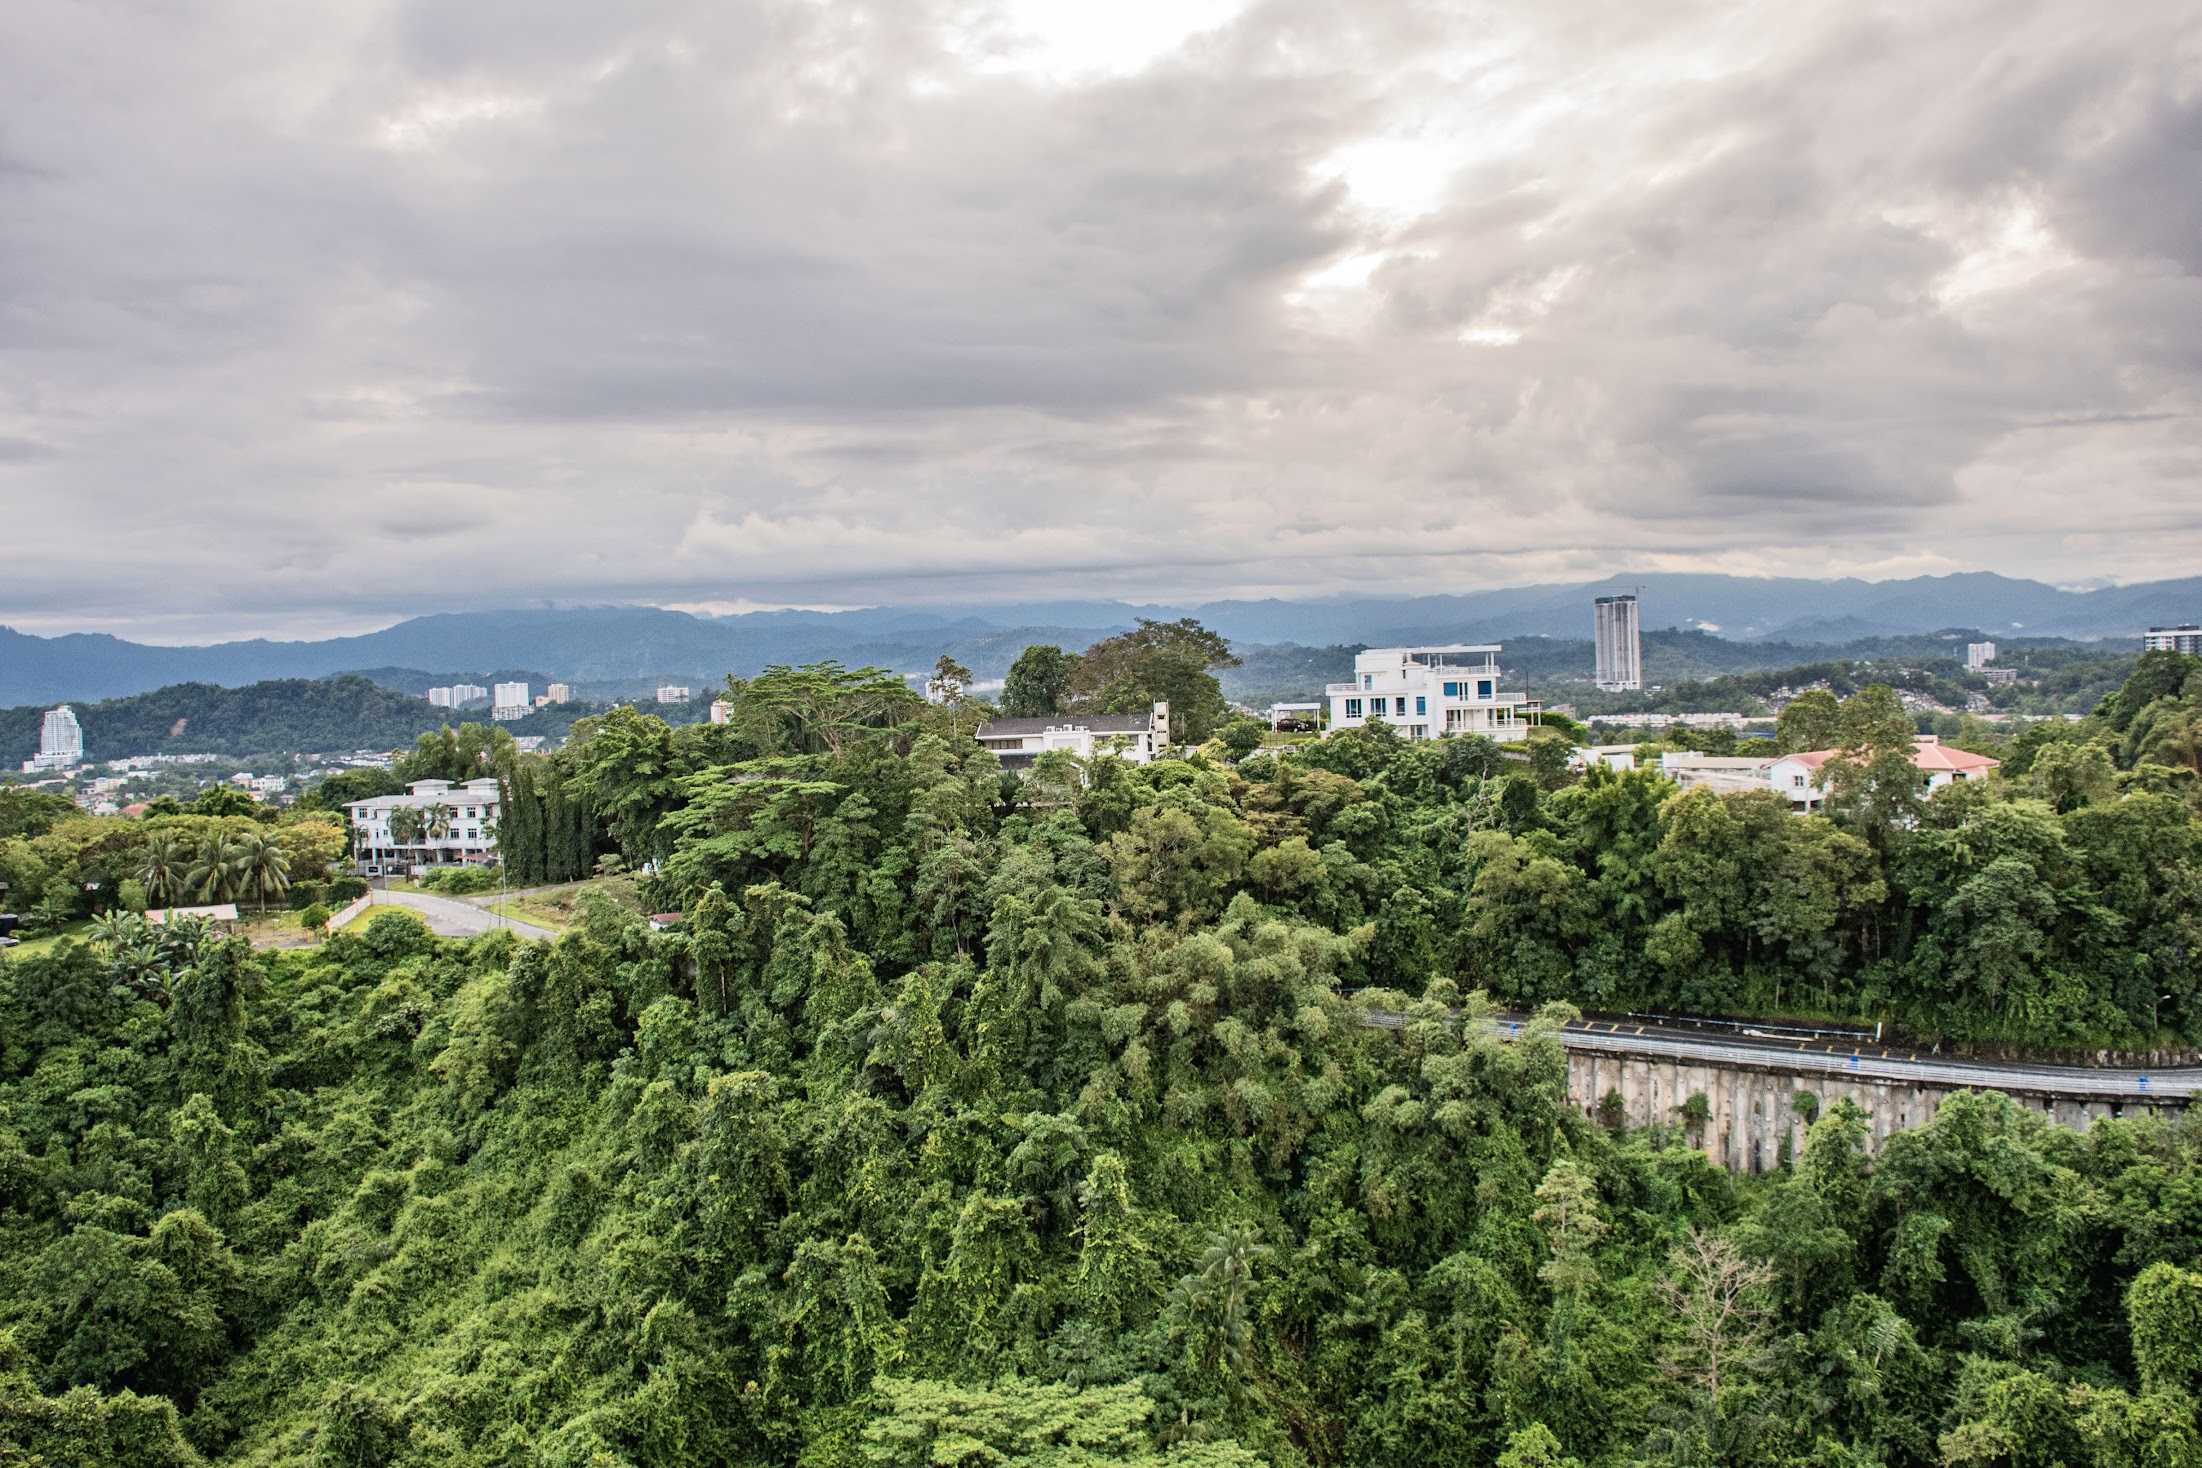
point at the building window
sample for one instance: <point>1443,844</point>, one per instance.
<point>1484,688</point>
<point>1399,705</point>
<point>1452,690</point>
<point>1368,680</point>
<point>1421,704</point>
<point>1353,708</point>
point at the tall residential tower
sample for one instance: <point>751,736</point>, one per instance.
<point>1620,648</point>
<point>60,742</point>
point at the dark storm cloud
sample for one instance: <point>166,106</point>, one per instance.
<point>340,312</point>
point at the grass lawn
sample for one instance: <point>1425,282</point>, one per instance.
<point>369,914</point>
<point>559,908</point>
<point>44,942</point>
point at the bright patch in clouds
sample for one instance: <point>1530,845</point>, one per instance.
<point>1068,41</point>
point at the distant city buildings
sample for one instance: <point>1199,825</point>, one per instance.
<point>1979,655</point>
<point>2000,675</point>
<point>673,693</point>
<point>60,742</point>
<point>721,710</point>
<point>558,693</point>
<point>1620,644</point>
<point>1423,693</point>
<point>459,695</point>
<point>510,702</point>
<point>2186,637</point>
<point>439,698</point>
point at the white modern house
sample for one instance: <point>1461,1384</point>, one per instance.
<point>1425,692</point>
<point>460,827</point>
<point>60,742</point>
<point>1134,738</point>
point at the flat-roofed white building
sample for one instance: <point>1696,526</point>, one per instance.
<point>1425,692</point>
<point>673,693</point>
<point>1133,738</point>
<point>1720,773</point>
<point>459,828</point>
<point>509,701</point>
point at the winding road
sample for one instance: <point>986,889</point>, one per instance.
<point>453,919</point>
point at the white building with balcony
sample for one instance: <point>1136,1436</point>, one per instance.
<point>454,825</point>
<point>2186,637</point>
<point>1426,692</point>
<point>509,701</point>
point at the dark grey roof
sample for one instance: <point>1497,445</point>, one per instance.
<point>1097,723</point>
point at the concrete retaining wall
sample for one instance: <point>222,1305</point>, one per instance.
<point>1753,1108</point>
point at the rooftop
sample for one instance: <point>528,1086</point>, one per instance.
<point>1093,723</point>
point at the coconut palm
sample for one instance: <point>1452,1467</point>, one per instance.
<point>263,868</point>
<point>167,860</point>
<point>436,821</point>
<point>213,875</point>
<point>405,826</point>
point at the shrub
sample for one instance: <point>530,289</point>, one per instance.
<point>313,917</point>
<point>345,889</point>
<point>460,881</point>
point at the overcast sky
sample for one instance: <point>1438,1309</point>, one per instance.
<point>314,315</point>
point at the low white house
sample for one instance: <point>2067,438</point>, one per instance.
<point>1721,774</point>
<point>1612,756</point>
<point>1134,738</point>
<point>463,828</point>
<point>1425,692</point>
<point>1801,779</point>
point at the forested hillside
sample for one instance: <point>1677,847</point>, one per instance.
<point>292,715</point>
<point>972,1119</point>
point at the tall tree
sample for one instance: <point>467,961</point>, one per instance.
<point>1038,682</point>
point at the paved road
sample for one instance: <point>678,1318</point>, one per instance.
<point>1879,1063</point>
<point>455,919</point>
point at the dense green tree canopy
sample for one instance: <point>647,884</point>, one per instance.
<point>1113,1115</point>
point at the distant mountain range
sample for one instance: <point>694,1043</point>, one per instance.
<point>599,645</point>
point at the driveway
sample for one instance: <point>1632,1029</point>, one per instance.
<point>455,919</point>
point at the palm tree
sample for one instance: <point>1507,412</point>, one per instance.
<point>213,875</point>
<point>166,861</point>
<point>405,826</point>
<point>262,867</point>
